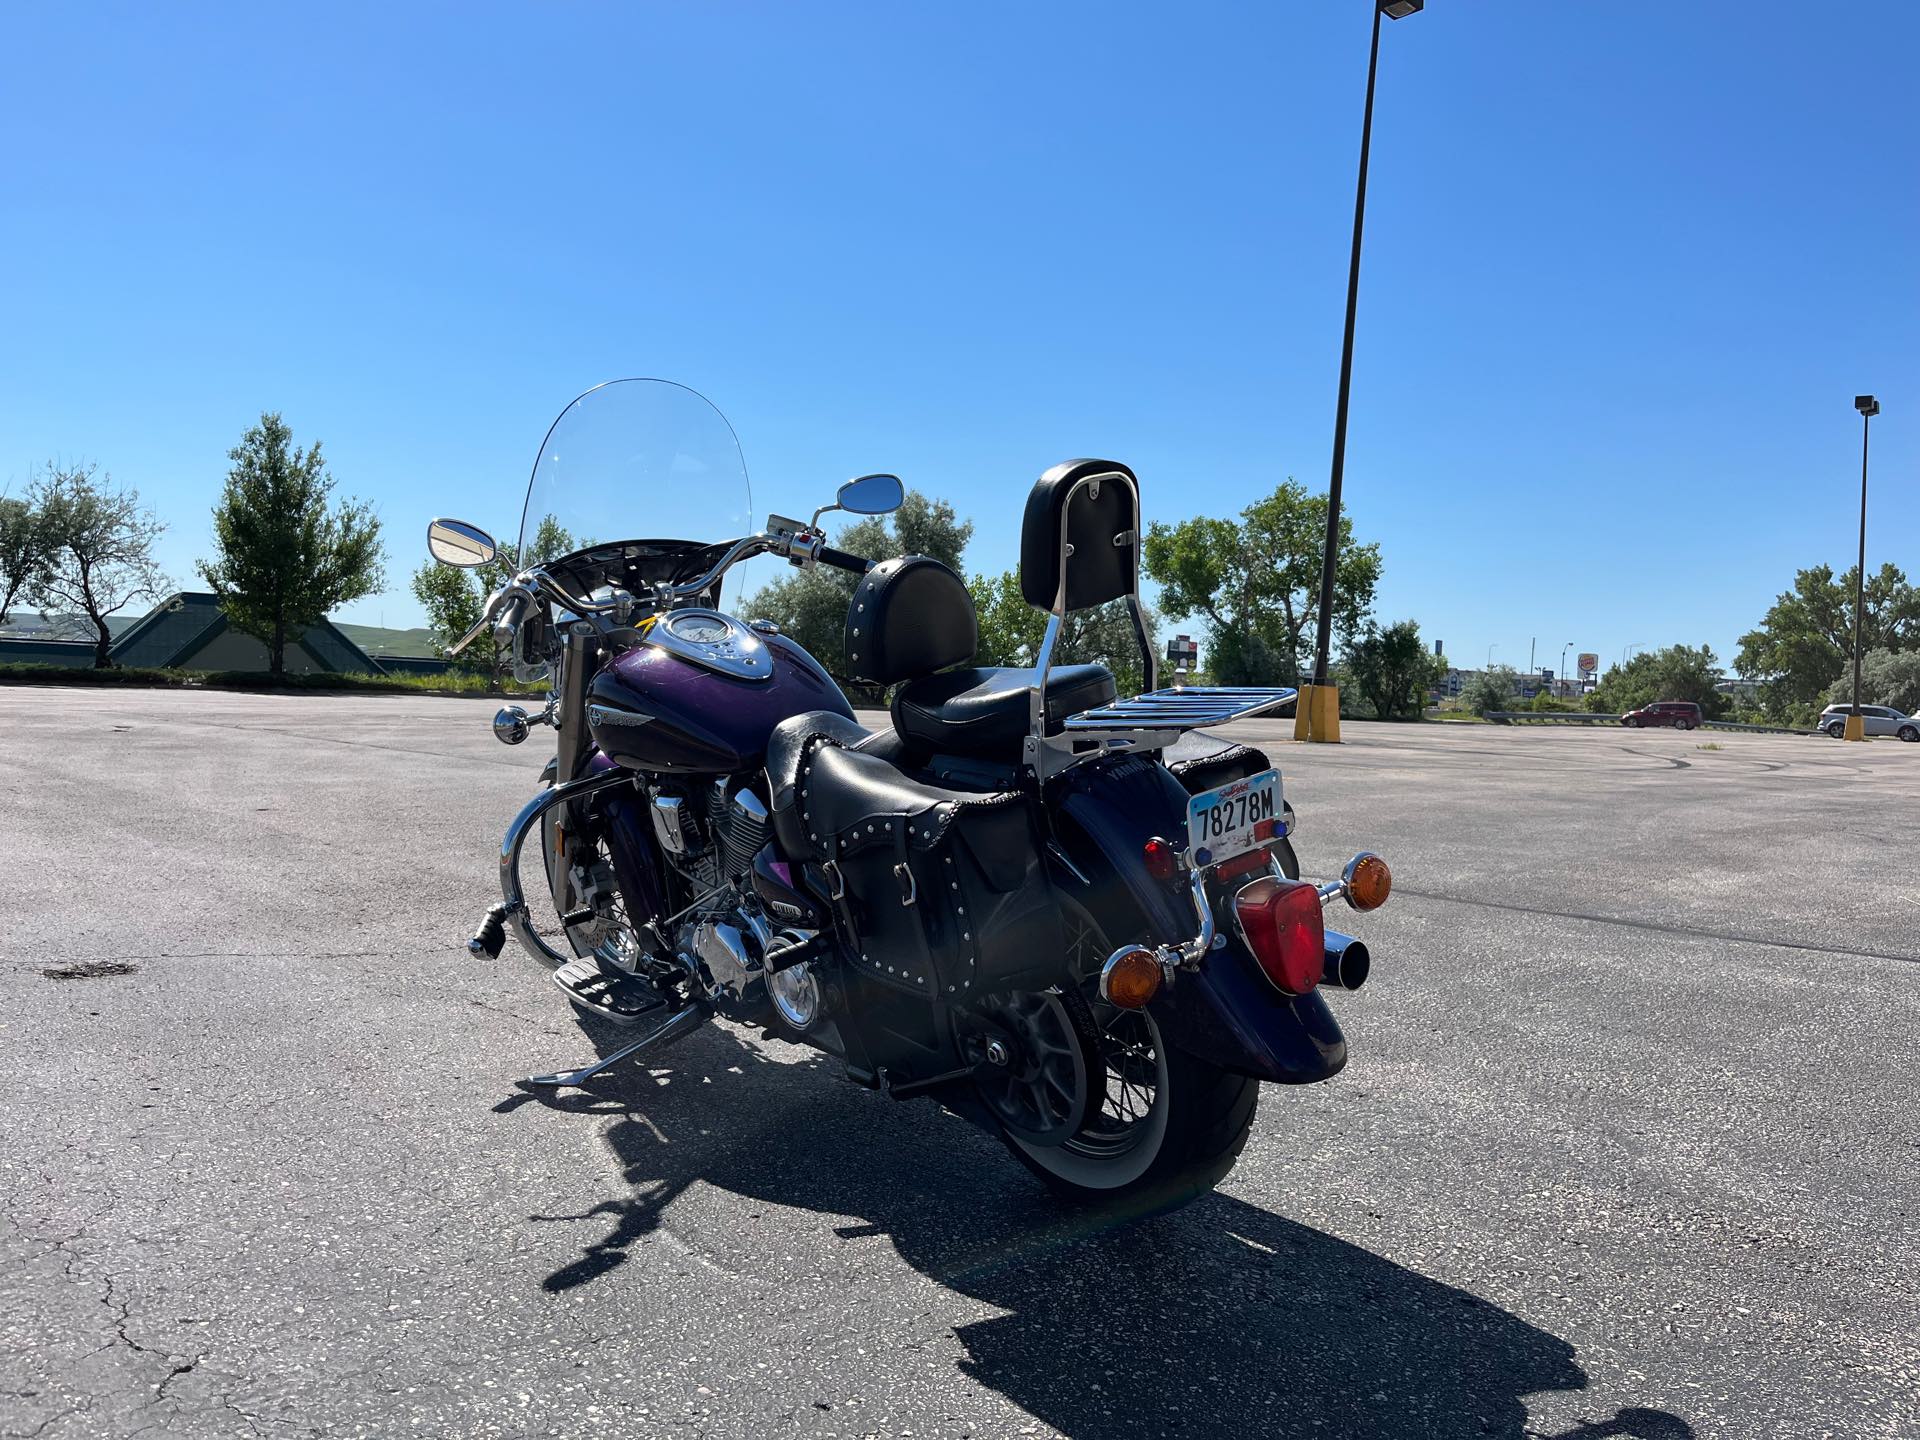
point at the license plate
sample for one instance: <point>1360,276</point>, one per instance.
<point>1222,823</point>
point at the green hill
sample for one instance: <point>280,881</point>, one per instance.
<point>377,642</point>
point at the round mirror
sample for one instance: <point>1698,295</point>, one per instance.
<point>871,495</point>
<point>456,543</point>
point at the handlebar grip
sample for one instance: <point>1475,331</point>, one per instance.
<point>841,560</point>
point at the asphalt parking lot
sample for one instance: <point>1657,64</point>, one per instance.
<point>1629,1144</point>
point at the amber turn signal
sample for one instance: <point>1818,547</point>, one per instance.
<point>1131,977</point>
<point>1366,882</point>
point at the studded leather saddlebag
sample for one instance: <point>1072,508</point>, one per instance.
<point>945,889</point>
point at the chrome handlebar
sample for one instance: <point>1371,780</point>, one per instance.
<point>533,584</point>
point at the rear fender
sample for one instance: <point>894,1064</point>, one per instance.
<point>1226,1011</point>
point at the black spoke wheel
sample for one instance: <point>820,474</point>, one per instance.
<point>1041,1093</point>
<point>1159,1126</point>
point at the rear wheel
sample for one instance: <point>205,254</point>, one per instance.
<point>1152,1126</point>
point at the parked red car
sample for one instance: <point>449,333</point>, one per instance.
<point>1681,714</point>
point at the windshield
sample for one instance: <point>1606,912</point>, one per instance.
<point>635,460</point>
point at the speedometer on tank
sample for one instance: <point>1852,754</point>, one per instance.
<point>699,629</point>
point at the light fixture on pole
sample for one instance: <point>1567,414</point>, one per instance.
<point>1318,715</point>
<point>1856,728</point>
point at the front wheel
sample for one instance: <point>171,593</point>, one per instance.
<point>1909,733</point>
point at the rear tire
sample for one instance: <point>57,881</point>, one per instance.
<point>1187,1137</point>
<point>1196,1130</point>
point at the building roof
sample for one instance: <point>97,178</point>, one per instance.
<point>182,625</point>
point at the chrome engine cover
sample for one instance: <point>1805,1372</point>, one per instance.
<point>729,957</point>
<point>796,995</point>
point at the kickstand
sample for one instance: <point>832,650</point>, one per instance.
<point>683,1022</point>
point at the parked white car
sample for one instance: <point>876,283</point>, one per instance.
<point>1881,720</point>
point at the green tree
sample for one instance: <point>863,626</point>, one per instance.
<point>1394,669</point>
<point>1257,582</point>
<point>99,550</point>
<point>23,551</point>
<point>1679,672</point>
<point>455,599</point>
<point>1491,689</point>
<point>284,554</point>
<point>810,606</point>
<point>1011,631</point>
<point>1887,677</point>
<point>1805,641</point>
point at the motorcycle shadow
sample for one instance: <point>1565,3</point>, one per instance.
<point>1222,1317</point>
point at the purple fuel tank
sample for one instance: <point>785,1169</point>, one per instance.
<point>652,710</point>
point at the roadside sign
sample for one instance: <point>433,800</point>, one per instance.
<point>1589,662</point>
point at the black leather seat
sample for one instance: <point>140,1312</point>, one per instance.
<point>987,711</point>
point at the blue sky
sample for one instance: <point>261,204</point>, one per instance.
<point>1627,264</point>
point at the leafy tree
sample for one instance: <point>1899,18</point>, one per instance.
<point>810,606</point>
<point>1394,669</point>
<point>285,555</point>
<point>1011,630</point>
<point>455,599</point>
<point>23,551</point>
<point>1545,702</point>
<point>99,549</point>
<point>1887,677</point>
<point>1491,689</point>
<point>1257,582</point>
<point>1679,672</point>
<point>1805,641</point>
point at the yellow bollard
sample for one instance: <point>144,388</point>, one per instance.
<point>1326,713</point>
<point>1856,728</point>
<point>1316,714</point>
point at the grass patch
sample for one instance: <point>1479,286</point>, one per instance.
<point>1710,745</point>
<point>451,682</point>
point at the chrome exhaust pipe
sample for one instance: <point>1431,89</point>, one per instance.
<point>1347,962</point>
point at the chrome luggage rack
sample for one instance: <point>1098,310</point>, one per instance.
<point>1147,722</point>
<point>1182,708</point>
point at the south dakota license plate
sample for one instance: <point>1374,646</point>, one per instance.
<point>1226,822</point>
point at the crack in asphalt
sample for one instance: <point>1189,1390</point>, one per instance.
<point>1662,928</point>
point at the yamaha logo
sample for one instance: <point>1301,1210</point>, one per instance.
<point>598,715</point>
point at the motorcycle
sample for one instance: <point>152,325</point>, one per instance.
<point>1072,917</point>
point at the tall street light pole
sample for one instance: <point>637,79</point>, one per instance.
<point>1392,10</point>
<point>1563,661</point>
<point>1856,722</point>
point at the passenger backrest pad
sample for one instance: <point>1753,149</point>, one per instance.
<point>1100,523</point>
<point>909,617</point>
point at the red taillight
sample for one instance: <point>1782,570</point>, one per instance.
<point>1282,924</point>
<point>1160,859</point>
<point>1240,865</point>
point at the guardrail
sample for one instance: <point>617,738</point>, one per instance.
<point>1550,717</point>
<point>1568,717</point>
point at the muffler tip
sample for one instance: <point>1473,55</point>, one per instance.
<point>1348,962</point>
